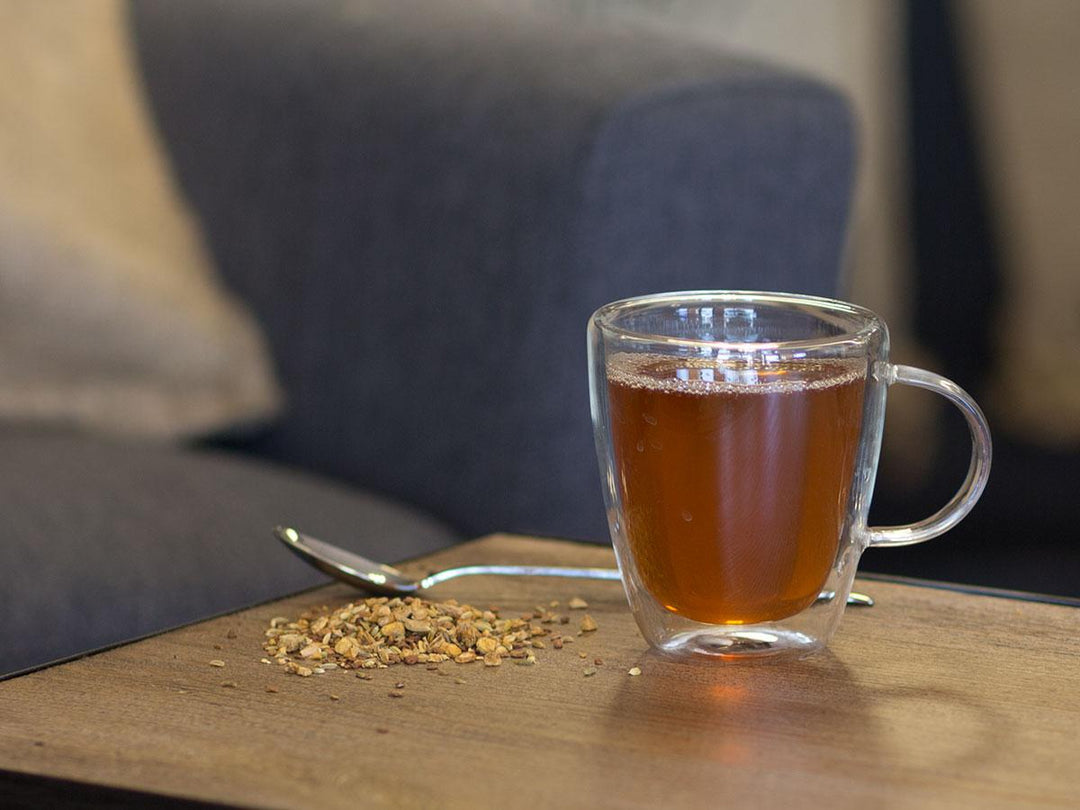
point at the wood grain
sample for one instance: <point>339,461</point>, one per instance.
<point>930,699</point>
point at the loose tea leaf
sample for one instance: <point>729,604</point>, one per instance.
<point>380,632</point>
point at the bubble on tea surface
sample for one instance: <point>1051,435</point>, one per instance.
<point>656,372</point>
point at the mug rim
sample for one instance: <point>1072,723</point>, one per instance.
<point>865,322</point>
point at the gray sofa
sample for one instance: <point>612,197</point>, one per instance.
<point>421,202</point>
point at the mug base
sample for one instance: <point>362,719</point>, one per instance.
<point>741,643</point>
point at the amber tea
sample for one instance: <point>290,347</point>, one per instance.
<point>734,481</point>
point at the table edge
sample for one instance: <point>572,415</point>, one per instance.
<point>973,590</point>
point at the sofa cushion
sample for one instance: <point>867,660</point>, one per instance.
<point>112,317</point>
<point>106,541</point>
<point>423,202</point>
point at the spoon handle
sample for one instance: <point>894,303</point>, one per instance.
<point>519,570</point>
<point>854,599</point>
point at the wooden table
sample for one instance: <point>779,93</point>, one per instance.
<point>932,698</point>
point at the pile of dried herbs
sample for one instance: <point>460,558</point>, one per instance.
<point>380,632</point>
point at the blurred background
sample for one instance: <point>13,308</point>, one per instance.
<point>233,187</point>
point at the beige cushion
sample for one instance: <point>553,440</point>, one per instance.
<point>111,318</point>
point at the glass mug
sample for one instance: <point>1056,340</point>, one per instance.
<point>738,436</point>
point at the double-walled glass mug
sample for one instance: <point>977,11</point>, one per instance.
<point>738,436</point>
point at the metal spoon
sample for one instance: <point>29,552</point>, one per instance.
<point>388,581</point>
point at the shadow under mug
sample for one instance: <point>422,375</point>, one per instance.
<point>738,436</point>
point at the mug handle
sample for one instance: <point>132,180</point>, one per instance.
<point>978,471</point>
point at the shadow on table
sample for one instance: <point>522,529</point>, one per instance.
<point>799,728</point>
